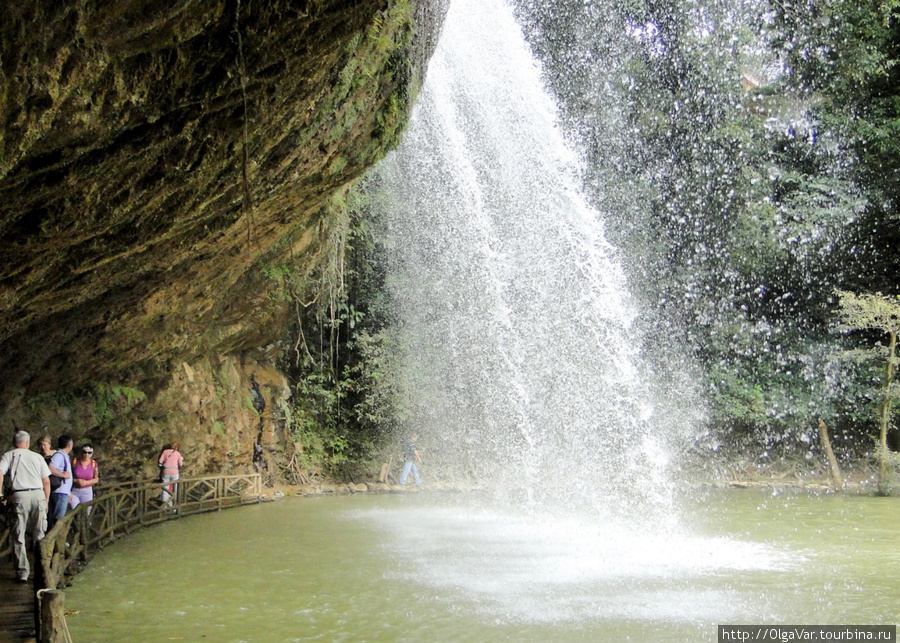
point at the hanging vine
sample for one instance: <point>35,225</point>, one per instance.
<point>247,200</point>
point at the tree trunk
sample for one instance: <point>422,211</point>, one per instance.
<point>885,415</point>
<point>832,461</point>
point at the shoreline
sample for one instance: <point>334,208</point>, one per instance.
<point>855,483</point>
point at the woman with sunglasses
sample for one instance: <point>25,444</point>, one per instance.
<point>85,477</point>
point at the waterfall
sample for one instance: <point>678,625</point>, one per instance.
<point>515,323</point>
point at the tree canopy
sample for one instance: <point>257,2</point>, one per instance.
<point>746,159</point>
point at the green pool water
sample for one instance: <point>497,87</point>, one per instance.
<point>455,567</point>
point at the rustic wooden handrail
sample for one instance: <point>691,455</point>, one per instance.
<point>121,510</point>
<point>5,540</point>
<point>6,523</point>
<point>93,525</point>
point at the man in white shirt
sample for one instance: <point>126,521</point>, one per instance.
<point>29,485</point>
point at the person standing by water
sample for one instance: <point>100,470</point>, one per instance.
<point>61,467</point>
<point>29,484</point>
<point>411,455</point>
<point>170,463</point>
<point>85,475</point>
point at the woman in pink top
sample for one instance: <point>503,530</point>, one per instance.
<point>170,461</point>
<point>85,476</point>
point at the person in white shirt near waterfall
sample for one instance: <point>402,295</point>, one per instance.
<point>29,493</point>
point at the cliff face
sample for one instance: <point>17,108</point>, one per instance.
<point>154,158</point>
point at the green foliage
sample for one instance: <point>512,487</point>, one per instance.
<point>107,398</point>
<point>58,398</point>
<point>738,210</point>
<point>375,67</point>
<point>392,119</point>
<point>337,165</point>
<point>132,395</point>
<point>846,52</point>
<point>891,460</point>
<point>338,447</point>
<point>346,392</point>
<point>247,397</point>
<point>737,398</point>
<point>302,422</point>
<point>881,313</point>
<point>870,311</point>
<point>98,403</point>
<point>377,383</point>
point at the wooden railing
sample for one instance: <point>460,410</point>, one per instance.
<point>93,525</point>
<point>5,540</point>
<point>118,511</point>
<point>103,488</point>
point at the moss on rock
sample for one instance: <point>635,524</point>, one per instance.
<point>151,155</point>
<point>155,161</point>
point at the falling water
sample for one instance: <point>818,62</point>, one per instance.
<point>515,315</point>
<point>516,330</point>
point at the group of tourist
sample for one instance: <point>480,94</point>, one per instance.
<point>72,480</point>
<point>38,488</point>
<point>42,487</point>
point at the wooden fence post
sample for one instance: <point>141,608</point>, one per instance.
<point>53,616</point>
<point>113,517</point>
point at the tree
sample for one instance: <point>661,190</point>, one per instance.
<point>881,313</point>
<point>724,199</point>
<point>846,54</point>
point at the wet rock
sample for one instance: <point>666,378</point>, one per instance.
<point>155,158</point>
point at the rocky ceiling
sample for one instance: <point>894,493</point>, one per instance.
<point>155,155</point>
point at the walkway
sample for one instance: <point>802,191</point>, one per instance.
<point>16,608</point>
<point>115,513</point>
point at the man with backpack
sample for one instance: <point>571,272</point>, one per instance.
<point>60,480</point>
<point>28,491</point>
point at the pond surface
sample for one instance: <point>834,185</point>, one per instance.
<point>447,567</point>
